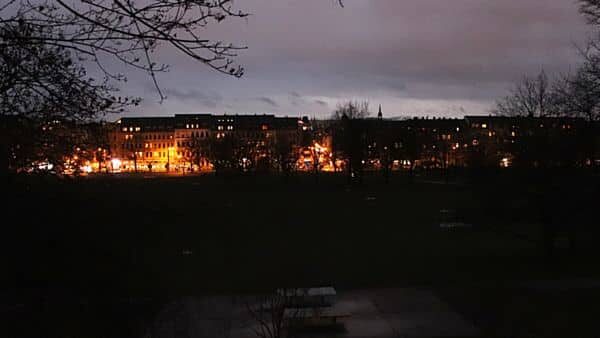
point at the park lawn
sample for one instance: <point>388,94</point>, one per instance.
<point>203,234</point>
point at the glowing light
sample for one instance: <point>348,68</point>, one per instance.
<point>86,169</point>
<point>116,163</point>
<point>45,166</point>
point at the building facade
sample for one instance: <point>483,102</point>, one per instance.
<point>199,142</point>
<point>202,142</point>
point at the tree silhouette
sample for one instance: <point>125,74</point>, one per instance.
<point>350,136</point>
<point>530,97</point>
<point>127,31</point>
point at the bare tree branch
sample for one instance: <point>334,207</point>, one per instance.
<point>129,31</point>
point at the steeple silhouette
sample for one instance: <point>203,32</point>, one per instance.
<point>380,114</point>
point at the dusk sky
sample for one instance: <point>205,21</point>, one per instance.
<point>414,57</point>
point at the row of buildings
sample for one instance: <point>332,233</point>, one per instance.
<point>195,142</point>
<point>205,142</point>
<point>192,142</point>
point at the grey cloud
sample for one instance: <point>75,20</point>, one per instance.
<point>210,100</point>
<point>296,99</point>
<point>268,101</point>
<point>410,55</point>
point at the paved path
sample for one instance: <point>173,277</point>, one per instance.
<point>378,313</point>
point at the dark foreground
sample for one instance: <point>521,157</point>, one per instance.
<point>109,253</point>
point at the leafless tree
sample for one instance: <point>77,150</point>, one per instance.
<point>283,150</point>
<point>590,10</point>
<point>268,315</point>
<point>128,31</point>
<point>530,97</point>
<point>352,110</point>
<point>349,135</point>
<point>578,94</point>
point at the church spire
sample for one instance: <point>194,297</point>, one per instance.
<point>380,114</point>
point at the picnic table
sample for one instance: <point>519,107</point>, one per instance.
<point>309,297</point>
<point>313,317</point>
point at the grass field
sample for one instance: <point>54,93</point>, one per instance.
<point>163,237</point>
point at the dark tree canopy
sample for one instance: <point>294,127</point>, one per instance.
<point>43,81</point>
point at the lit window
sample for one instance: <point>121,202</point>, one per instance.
<point>137,129</point>
<point>484,126</point>
<point>125,129</point>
